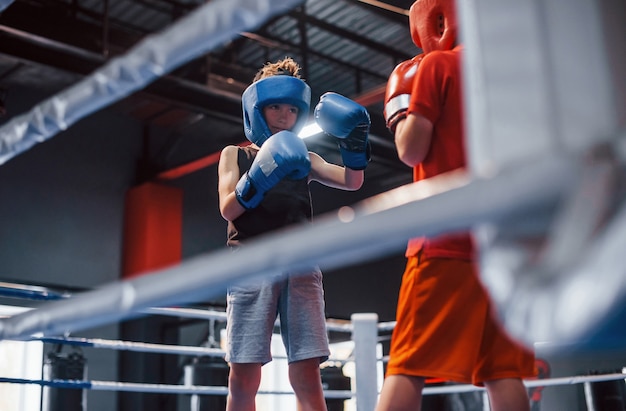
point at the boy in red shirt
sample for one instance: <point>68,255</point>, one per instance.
<point>445,327</point>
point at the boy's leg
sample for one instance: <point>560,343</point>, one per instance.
<point>243,384</point>
<point>306,381</point>
<point>401,393</point>
<point>508,394</point>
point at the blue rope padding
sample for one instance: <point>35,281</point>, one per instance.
<point>30,294</point>
<point>77,384</point>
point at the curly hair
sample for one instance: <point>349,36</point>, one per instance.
<point>286,66</point>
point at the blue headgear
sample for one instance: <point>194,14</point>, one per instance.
<point>281,89</point>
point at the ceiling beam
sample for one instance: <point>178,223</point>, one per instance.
<point>57,55</point>
<point>396,14</point>
<point>356,38</point>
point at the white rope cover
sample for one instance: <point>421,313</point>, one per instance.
<point>207,27</point>
<point>217,390</point>
<point>136,346</point>
<point>379,226</point>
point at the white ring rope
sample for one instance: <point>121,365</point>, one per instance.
<point>187,313</point>
<point>547,382</point>
<point>449,388</point>
<point>135,346</point>
<point>152,388</point>
<point>380,225</point>
<point>42,293</point>
<point>120,345</point>
<point>386,326</point>
<point>578,280</point>
<point>216,390</point>
<point>207,27</point>
<point>331,325</point>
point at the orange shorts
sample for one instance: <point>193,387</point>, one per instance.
<point>445,327</point>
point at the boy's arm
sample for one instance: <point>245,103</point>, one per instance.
<point>413,134</point>
<point>413,137</point>
<point>333,175</point>
<point>228,176</point>
<point>284,155</point>
<point>349,122</point>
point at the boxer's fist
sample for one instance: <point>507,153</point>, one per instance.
<point>398,92</point>
<point>350,123</point>
<point>283,155</point>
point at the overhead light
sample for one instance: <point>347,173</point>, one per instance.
<point>309,130</point>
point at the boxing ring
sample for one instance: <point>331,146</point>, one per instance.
<point>364,330</point>
<point>544,194</point>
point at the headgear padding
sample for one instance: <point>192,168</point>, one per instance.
<point>279,89</point>
<point>433,24</point>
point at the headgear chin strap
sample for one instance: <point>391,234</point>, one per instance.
<point>433,24</point>
<point>273,90</point>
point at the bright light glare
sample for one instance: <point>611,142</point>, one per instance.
<point>309,130</point>
<point>20,359</point>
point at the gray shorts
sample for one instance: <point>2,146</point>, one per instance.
<point>252,310</point>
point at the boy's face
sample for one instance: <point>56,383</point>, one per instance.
<point>280,116</point>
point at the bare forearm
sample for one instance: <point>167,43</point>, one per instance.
<point>230,207</point>
<point>413,136</point>
<point>354,179</point>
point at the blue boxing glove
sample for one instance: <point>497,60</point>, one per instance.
<point>350,123</point>
<point>283,155</point>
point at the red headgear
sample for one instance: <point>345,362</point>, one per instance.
<point>433,24</point>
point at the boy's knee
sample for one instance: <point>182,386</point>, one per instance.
<point>305,375</point>
<point>244,381</point>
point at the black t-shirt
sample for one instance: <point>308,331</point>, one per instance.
<point>287,203</point>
